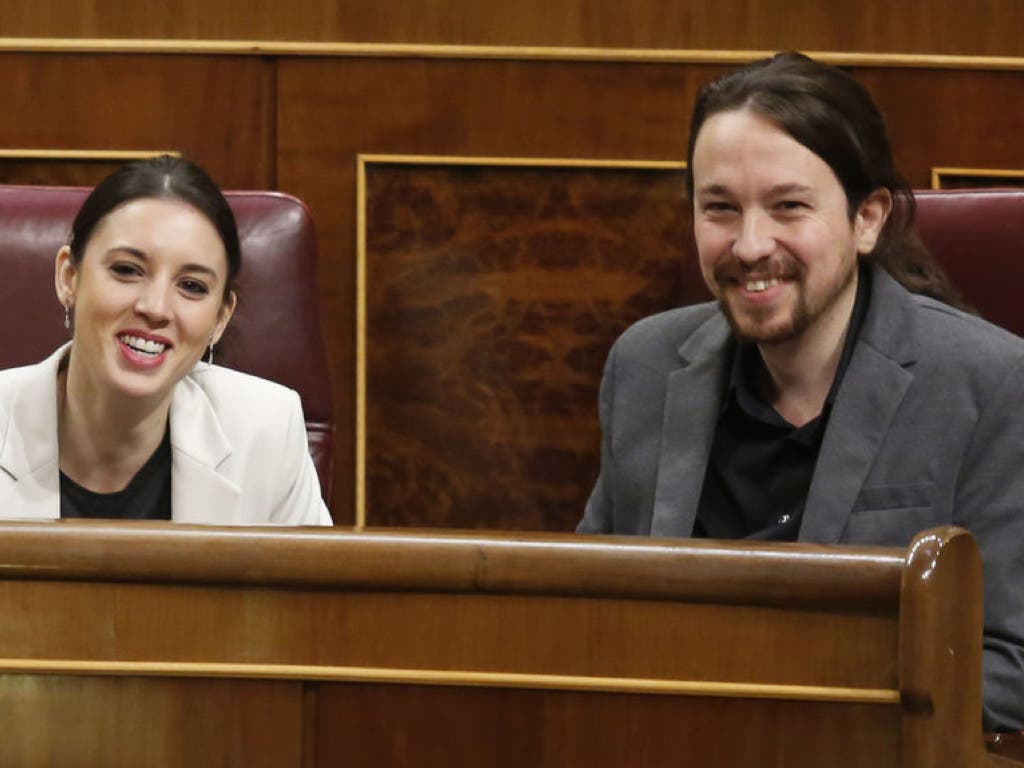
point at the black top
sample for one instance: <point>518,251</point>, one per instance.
<point>146,497</point>
<point>760,466</point>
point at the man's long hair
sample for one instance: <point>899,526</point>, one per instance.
<point>832,114</point>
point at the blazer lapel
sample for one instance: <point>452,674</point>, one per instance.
<point>199,492</point>
<point>692,400</point>
<point>869,396</point>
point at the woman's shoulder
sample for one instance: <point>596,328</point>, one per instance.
<point>233,390</point>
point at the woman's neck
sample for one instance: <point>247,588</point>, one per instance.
<point>104,439</point>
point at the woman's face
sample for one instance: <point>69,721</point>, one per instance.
<point>148,297</point>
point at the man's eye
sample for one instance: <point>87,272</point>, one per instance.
<point>194,287</point>
<point>791,205</point>
<point>718,207</point>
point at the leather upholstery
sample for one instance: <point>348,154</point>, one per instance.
<point>275,332</point>
<point>977,235</point>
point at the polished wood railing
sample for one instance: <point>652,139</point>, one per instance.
<point>163,645</point>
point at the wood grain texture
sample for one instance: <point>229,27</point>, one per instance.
<point>942,26</point>
<point>493,296</point>
<point>527,605</point>
<point>95,722</point>
<point>330,111</point>
<point>453,726</point>
<point>215,110</point>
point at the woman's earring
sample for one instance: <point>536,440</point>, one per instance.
<point>209,351</point>
<point>67,315</point>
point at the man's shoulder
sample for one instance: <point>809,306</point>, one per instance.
<point>950,334</point>
<point>667,331</point>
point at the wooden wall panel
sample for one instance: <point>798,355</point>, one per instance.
<point>985,27</point>
<point>964,119</point>
<point>509,729</point>
<point>216,110</point>
<point>493,295</point>
<point>331,110</point>
<point>71,721</point>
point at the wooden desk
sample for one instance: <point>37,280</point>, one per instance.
<point>163,645</point>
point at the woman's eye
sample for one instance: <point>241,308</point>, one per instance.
<point>194,287</point>
<point>125,269</point>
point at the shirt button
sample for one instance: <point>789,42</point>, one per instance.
<point>783,519</point>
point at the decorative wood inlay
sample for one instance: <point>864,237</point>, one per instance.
<point>478,315</point>
<point>978,177</point>
<point>507,52</point>
<point>450,677</point>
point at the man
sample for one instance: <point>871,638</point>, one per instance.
<point>818,399</point>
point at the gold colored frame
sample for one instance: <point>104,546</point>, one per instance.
<point>993,173</point>
<point>362,161</point>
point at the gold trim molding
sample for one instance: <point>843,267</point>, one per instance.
<point>362,160</point>
<point>450,678</point>
<point>975,173</point>
<point>84,154</point>
<point>508,52</point>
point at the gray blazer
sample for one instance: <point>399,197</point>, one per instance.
<point>927,429</point>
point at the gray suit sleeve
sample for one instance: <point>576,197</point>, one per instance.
<point>597,516</point>
<point>990,503</point>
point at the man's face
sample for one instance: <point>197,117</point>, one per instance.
<point>776,244</point>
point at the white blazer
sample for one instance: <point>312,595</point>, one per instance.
<point>240,455</point>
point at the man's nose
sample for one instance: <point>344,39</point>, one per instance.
<point>756,238</point>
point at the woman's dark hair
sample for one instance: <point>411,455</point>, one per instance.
<point>164,176</point>
<point>833,115</point>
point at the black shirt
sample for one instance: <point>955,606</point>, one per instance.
<point>146,497</point>
<point>760,466</point>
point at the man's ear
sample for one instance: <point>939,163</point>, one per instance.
<point>65,277</point>
<point>871,216</point>
<point>227,309</point>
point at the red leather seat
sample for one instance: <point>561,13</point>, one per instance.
<point>275,332</point>
<point>977,235</point>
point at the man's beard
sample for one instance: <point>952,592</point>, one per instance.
<point>805,311</point>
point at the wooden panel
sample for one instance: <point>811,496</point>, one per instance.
<point>944,118</point>
<point>330,111</point>
<point>450,726</point>
<point>176,647</point>
<point>493,634</point>
<point>942,26</point>
<point>215,110</point>
<point>493,296</point>
<point>74,721</point>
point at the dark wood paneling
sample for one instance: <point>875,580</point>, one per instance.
<point>949,118</point>
<point>458,726</point>
<point>941,26</point>
<point>493,296</point>
<point>215,110</point>
<point>331,110</point>
<point>72,721</point>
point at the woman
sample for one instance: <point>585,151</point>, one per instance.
<point>125,421</point>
